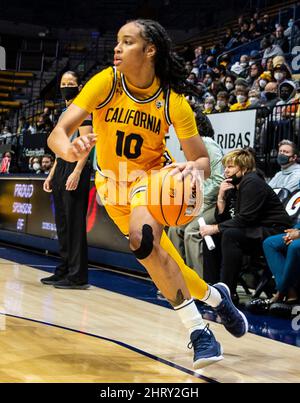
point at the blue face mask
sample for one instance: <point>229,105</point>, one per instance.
<point>283,159</point>
<point>290,24</point>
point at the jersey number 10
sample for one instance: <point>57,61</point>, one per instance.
<point>131,146</point>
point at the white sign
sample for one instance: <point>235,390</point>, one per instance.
<point>2,58</point>
<point>234,129</point>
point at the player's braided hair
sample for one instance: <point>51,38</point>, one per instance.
<point>169,67</point>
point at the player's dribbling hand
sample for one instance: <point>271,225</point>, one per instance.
<point>185,168</point>
<point>81,147</point>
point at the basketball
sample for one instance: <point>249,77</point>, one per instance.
<point>172,200</point>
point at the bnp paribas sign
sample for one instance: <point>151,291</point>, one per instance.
<point>2,58</point>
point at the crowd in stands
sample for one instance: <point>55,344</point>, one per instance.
<point>261,78</point>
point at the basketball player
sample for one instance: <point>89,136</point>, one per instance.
<point>133,105</point>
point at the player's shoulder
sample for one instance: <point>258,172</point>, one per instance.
<point>108,73</point>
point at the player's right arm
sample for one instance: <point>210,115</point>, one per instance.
<point>93,94</point>
<point>59,141</point>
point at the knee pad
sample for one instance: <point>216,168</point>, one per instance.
<point>146,244</point>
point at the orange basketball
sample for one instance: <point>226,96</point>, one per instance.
<point>171,199</point>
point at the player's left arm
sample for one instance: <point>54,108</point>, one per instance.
<point>183,119</point>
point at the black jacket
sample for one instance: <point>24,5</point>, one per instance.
<point>257,209</point>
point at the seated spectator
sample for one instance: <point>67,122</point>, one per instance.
<point>222,102</point>
<point>8,163</point>
<point>47,163</point>
<point>282,253</point>
<point>241,68</point>
<point>271,95</point>
<point>263,80</point>
<point>269,65</point>
<point>187,239</point>
<point>254,57</point>
<point>289,175</point>
<point>254,99</point>
<point>209,105</point>
<point>281,73</point>
<point>265,26</point>
<point>281,40</point>
<point>255,71</point>
<point>6,134</point>
<point>292,32</point>
<point>36,165</point>
<point>270,50</point>
<point>242,100</point>
<point>230,88</point>
<point>247,212</point>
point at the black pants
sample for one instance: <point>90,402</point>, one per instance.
<point>70,217</point>
<point>224,263</point>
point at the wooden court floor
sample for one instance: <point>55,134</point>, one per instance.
<point>51,335</point>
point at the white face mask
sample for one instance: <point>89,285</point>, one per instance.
<point>244,65</point>
<point>208,107</point>
<point>241,99</point>
<point>278,76</point>
<point>253,100</point>
<point>36,166</point>
<point>262,83</point>
<point>229,86</point>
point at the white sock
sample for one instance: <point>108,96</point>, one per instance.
<point>190,316</point>
<point>212,297</point>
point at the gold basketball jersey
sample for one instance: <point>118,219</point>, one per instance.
<point>131,131</point>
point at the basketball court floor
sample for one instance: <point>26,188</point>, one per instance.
<point>118,331</point>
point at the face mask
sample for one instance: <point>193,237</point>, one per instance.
<point>270,95</point>
<point>283,159</point>
<point>221,104</point>
<point>253,101</point>
<point>69,93</point>
<point>290,24</point>
<point>278,76</point>
<point>244,65</point>
<point>241,99</point>
<point>262,83</point>
<point>208,107</point>
<point>36,166</point>
<point>229,86</point>
<point>208,81</point>
<point>284,96</point>
<point>235,180</point>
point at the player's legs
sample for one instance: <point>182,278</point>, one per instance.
<point>145,241</point>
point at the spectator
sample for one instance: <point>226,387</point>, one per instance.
<point>281,40</point>
<point>269,65</point>
<point>5,163</point>
<point>283,255</point>
<point>36,165</point>
<point>287,91</point>
<point>187,239</point>
<point>222,102</point>
<point>254,99</point>
<point>241,68</point>
<point>209,105</point>
<point>247,212</point>
<point>281,73</point>
<point>271,95</point>
<point>265,25</point>
<point>289,175</point>
<point>255,71</point>
<point>270,50</point>
<point>254,57</point>
<point>47,163</point>
<point>242,100</point>
<point>292,32</point>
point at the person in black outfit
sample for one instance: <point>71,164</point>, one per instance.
<point>247,212</point>
<point>69,183</point>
